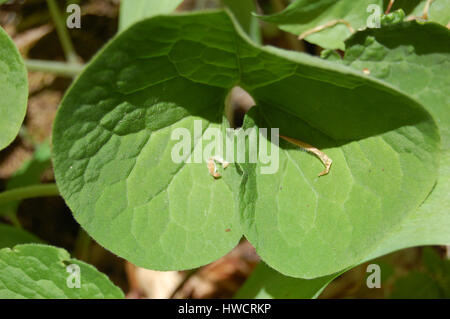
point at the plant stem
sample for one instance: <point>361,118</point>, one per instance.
<point>63,34</point>
<point>15,221</point>
<point>82,245</point>
<point>388,9</point>
<point>229,109</point>
<point>41,190</point>
<point>59,68</point>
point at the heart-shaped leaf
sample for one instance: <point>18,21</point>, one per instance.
<point>113,151</point>
<point>415,58</point>
<point>35,271</point>
<point>14,88</point>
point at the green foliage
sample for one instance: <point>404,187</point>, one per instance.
<point>112,152</point>
<point>439,10</point>
<point>431,282</point>
<point>39,272</point>
<point>14,88</point>
<point>415,58</point>
<point>11,236</point>
<point>304,15</point>
<point>266,283</point>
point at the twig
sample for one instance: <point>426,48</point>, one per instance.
<point>325,26</point>
<point>425,9</point>
<point>311,149</point>
<point>59,68</point>
<point>63,34</point>
<point>15,221</point>
<point>389,7</point>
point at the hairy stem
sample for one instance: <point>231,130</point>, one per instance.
<point>426,9</point>
<point>21,193</point>
<point>82,245</point>
<point>63,34</point>
<point>15,221</point>
<point>59,68</point>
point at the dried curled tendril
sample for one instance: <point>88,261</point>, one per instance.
<point>327,161</point>
<point>212,167</point>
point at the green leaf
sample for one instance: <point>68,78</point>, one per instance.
<point>439,10</point>
<point>305,15</point>
<point>40,272</point>
<point>132,11</point>
<point>11,236</point>
<point>14,88</point>
<point>415,58</point>
<point>112,151</point>
<point>266,283</point>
